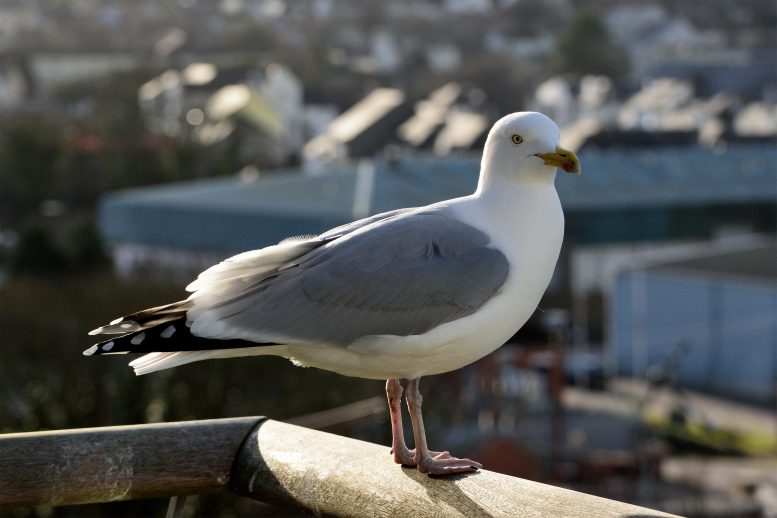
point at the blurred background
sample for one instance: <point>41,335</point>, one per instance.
<point>142,141</point>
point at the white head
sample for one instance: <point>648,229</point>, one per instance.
<point>523,147</point>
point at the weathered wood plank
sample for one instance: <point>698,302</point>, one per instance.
<point>269,461</point>
<point>119,462</point>
<point>336,476</point>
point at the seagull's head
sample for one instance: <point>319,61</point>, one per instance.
<point>524,147</point>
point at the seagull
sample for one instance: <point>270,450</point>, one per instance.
<point>396,296</point>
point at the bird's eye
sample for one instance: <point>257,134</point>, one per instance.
<point>517,139</point>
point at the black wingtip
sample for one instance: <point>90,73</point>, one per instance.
<point>168,336</point>
<point>106,347</point>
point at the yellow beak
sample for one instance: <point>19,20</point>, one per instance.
<point>563,159</point>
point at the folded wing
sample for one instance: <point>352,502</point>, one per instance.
<point>399,275</point>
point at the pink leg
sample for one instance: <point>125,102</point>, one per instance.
<point>428,462</point>
<point>402,454</point>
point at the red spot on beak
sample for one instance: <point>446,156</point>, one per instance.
<point>568,168</point>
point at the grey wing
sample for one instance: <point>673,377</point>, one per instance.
<point>402,275</point>
<point>355,225</point>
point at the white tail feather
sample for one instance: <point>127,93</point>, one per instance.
<point>159,361</point>
<point>153,362</point>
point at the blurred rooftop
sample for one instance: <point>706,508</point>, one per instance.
<point>757,263</point>
<point>246,211</point>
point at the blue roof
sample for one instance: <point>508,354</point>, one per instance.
<point>230,214</point>
<point>672,177</point>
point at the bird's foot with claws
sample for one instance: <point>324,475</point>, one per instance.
<point>447,464</point>
<point>436,463</point>
<point>405,456</point>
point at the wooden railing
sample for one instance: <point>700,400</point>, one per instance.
<point>265,460</point>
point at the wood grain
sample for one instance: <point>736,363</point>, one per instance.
<point>336,476</point>
<point>119,462</point>
<point>269,461</point>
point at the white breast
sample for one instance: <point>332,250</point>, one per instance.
<point>530,237</point>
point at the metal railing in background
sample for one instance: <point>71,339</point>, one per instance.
<point>265,460</point>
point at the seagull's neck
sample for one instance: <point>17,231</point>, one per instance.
<point>500,191</point>
<point>499,172</point>
<point>516,213</point>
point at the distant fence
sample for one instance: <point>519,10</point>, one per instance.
<point>265,460</point>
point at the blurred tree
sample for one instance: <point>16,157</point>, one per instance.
<point>586,47</point>
<point>30,152</point>
<point>249,34</point>
<point>86,247</point>
<point>531,18</point>
<point>36,252</point>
